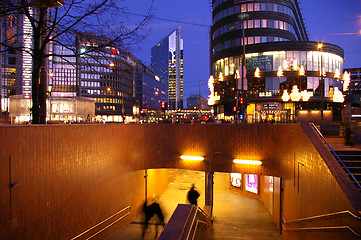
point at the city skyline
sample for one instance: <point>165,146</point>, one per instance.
<point>331,23</point>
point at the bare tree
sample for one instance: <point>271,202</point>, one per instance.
<point>53,21</point>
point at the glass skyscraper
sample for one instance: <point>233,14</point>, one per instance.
<point>167,63</point>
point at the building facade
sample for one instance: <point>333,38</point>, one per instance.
<point>355,85</point>
<point>197,102</point>
<point>263,66</point>
<point>107,75</point>
<point>16,61</point>
<point>167,63</point>
<point>150,92</point>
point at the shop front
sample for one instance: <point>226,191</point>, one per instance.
<point>273,112</point>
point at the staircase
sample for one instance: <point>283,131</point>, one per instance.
<point>352,160</point>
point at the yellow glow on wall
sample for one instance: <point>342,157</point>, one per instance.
<point>192,158</point>
<point>251,162</point>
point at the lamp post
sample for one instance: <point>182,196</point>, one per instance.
<point>322,86</point>
<point>243,17</point>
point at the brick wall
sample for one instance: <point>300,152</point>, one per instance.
<point>72,177</point>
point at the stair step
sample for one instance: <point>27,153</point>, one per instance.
<point>353,164</point>
<point>354,170</point>
<point>341,153</point>
<point>350,158</point>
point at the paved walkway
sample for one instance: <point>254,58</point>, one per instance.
<point>235,216</point>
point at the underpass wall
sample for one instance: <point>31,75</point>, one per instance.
<point>71,177</point>
<point>68,180</point>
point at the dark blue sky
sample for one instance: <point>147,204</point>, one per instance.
<point>329,21</point>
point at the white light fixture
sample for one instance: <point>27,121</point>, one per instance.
<point>251,162</point>
<point>305,95</point>
<point>302,71</point>
<point>257,73</point>
<point>347,80</point>
<point>211,96</point>
<point>295,94</point>
<point>338,96</point>
<point>192,158</point>
<point>280,72</point>
<point>285,96</point>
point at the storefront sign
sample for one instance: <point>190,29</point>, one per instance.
<point>271,106</point>
<point>264,62</point>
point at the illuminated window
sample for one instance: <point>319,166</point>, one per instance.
<point>11,71</point>
<point>11,82</point>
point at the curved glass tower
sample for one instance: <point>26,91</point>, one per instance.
<point>272,39</point>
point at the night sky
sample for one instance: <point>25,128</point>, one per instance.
<point>332,21</point>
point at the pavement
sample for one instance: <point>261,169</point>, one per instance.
<point>236,217</point>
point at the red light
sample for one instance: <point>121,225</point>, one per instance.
<point>241,100</point>
<point>114,51</point>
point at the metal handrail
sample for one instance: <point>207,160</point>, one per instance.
<point>323,216</point>
<point>195,229</point>
<point>81,234</point>
<point>193,220</point>
<point>205,213</point>
<point>342,163</point>
<point>323,229</point>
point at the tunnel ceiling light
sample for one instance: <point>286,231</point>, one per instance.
<point>192,158</point>
<point>252,162</point>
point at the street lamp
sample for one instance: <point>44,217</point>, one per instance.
<point>243,17</point>
<point>319,46</point>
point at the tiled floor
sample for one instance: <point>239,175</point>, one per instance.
<point>235,216</point>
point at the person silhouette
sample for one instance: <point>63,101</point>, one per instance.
<point>193,195</point>
<point>150,211</point>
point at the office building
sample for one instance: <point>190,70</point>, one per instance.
<point>16,66</point>
<point>167,63</point>
<point>150,92</point>
<point>282,73</point>
<point>354,86</point>
<point>106,74</point>
<point>197,102</point>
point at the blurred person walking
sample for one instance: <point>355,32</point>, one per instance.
<point>150,211</point>
<point>193,195</point>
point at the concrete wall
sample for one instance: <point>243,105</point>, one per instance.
<point>72,177</point>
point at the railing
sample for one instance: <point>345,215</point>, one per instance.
<point>333,152</point>
<point>101,230</point>
<point>191,233</point>
<point>322,228</point>
<point>324,216</point>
